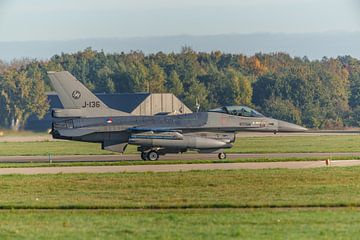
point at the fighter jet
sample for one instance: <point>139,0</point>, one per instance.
<point>86,118</point>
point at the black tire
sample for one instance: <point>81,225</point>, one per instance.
<point>222,155</point>
<point>152,155</point>
<point>143,156</point>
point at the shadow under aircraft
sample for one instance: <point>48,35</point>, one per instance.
<point>86,118</point>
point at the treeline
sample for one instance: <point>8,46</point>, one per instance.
<point>22,93</point>
<point>320,93</point>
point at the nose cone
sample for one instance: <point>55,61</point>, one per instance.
<point>289,127</point>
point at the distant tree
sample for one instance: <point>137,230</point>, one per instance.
<point>104,80</point>
<point>282,109</point>
<point>352,65</point>
<point>174,84</point>
<point>187,67</point>
<point>355,117</point>
<point>217,86</point>
<point>22,96</point>
<point>240,89</point>
<point>197,95</point>
<point>155,79</point>
<point>3,66</point>
<point>134,79</point>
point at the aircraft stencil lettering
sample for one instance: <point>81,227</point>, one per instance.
<point>91,104</point>
<point>205,132</point>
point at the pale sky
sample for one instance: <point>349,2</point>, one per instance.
<point>24,20</point>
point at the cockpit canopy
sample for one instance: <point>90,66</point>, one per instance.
<point>238,111</point>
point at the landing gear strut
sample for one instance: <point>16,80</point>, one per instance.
<point>222,155</point>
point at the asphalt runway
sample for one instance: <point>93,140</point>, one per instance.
<point>177,167</point>
<point>186,157</point>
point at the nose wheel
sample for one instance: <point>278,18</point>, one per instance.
<point>222,155</point>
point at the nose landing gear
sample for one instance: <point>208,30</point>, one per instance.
<point>222,155</point>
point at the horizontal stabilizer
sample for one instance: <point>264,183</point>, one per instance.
<point>74,132</point>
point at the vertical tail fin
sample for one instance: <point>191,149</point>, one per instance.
<point>74,95</point>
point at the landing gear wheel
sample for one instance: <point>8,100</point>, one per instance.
<point>153,155</point>
<point>222,155</point>
<point>144,156</point>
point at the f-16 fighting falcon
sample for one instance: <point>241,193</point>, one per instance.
<point>86,118</point>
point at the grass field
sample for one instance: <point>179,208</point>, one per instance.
<point>276,144</point>
<point>279,144</point>
<point>323,187</point>
<point>240,204</point>
<point>181,224</point>
<point>21,133</point>
<point>50,147</point>
<point>245,204</point>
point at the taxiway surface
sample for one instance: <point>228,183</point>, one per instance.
<point>178,167</point>
<point>188,157</point>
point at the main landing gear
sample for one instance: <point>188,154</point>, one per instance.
<point>144,156</point>
<point>154,154</point>
<point>151,155</point>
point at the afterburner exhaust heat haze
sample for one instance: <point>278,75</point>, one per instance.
<point>86,118</point>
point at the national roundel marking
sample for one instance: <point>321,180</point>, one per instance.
<point>76,94</point>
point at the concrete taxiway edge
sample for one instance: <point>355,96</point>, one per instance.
<point>179,167</point>
<point>130,157</point>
